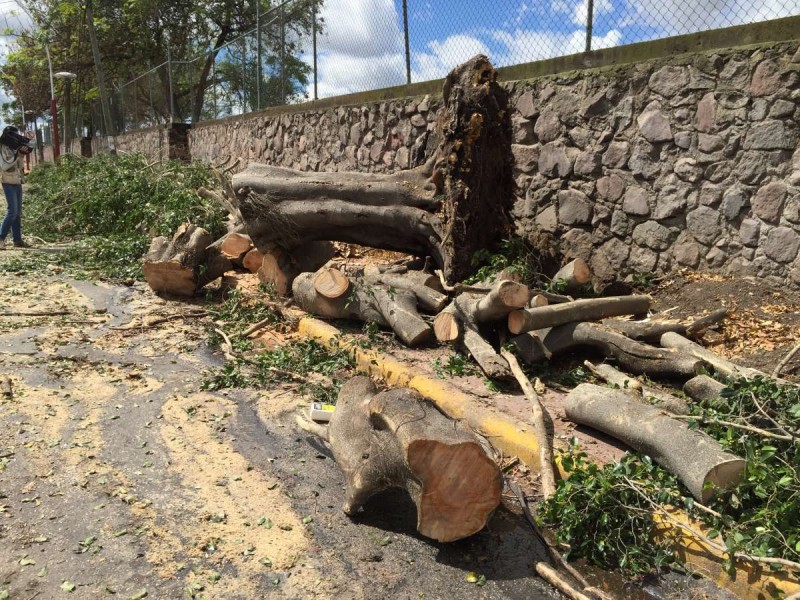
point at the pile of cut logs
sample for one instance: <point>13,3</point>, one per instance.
<point>282,224</point>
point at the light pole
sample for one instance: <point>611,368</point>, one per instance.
<point>68,79</point>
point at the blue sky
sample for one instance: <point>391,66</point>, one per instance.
<point>363,44</point>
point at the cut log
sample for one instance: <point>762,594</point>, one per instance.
<point>182,265</point>
<point>396,439</point>
<point>651,331</point>
<point>331,283</point>
<point>7,387</point>
<point>417,282</point>
<point>446,325</point>
<point>252,260</point>
<point>375,304</point>
<point>695,458</point>
<point>719,364</point>
<point>538,300</point>
<point>460,322</point>
<point>233,246</point>
<point>591,309</point>
<point>456,203</point>
<point>637,390</point>
<point>702,388</point>
<point>633,356</point>
<point>574,275</point>
<point>279,268</point>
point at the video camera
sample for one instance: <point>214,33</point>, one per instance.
<point>13,139</point>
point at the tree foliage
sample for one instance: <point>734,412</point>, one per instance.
<point>134,36</point>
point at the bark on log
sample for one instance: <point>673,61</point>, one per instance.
<point>419,283</point>
<point>396,310</point>
<point>279,267</point>
<point>458,202</point>
<point>651,331</point>
<point>396,439</point>
<point>633,356</point>
<point>592,309</point>
<point>460,322</point>
<point>184,264</point>
<point>574,275</point>
<point>637,390</point>
<point>695,458</point>
<point>720,365</point>
<point>703,388</point>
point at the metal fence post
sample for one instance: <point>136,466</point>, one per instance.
<point>171,95</point>
<point>259,67</point>
<point>314,35</point>
<point>408,50</point>
<point>283,57</point>
<point>589,24</point>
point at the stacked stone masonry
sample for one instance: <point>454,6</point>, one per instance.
<point>688,161</point>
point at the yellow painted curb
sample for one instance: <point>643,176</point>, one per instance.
<point>515,438</point>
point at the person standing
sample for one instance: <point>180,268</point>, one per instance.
<point>12,179</point>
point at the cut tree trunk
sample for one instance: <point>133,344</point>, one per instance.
<point>574,275</point>
<point>184,264</point>
<point>460,322</point>
<point>279,267</point>
<point>695,458</point>
<point>422,285</point>
<point>395,439</point>
<point>633,356</point>
<point>703,388</point>
<point>374,304</point>
<point>252,260</point>
<point>233,246</point>
<point>637,390</point>
<point>331,283</point>
<point>720,365</point>
<point>458,202</point>
<point>592,309</point>
<point>651,331</point>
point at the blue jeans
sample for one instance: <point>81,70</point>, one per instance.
<point>13,220</point>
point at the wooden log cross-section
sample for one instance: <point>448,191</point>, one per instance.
<point>396,439</point>
<point>456,203</point>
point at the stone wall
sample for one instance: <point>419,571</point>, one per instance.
<point>687,161</point>
<point>153,142</point>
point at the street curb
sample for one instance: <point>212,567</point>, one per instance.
<point>750,581</point>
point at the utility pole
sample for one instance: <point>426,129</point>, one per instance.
<point>98,65</point>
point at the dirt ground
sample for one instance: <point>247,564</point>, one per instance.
<point>120,477</point>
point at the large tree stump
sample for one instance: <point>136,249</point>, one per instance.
<point>396,439</point>
<point>184,264</point>
<point>696,458</point>
<point>456,203</point>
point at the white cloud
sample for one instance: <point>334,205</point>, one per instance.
<point>525,46</point>
<point>360,28</point>
<point>441,57</point>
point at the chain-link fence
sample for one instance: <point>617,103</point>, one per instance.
<point>299,50</point>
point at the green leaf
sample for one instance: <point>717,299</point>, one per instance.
<point>140,594</point>
<point>68,586</point>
